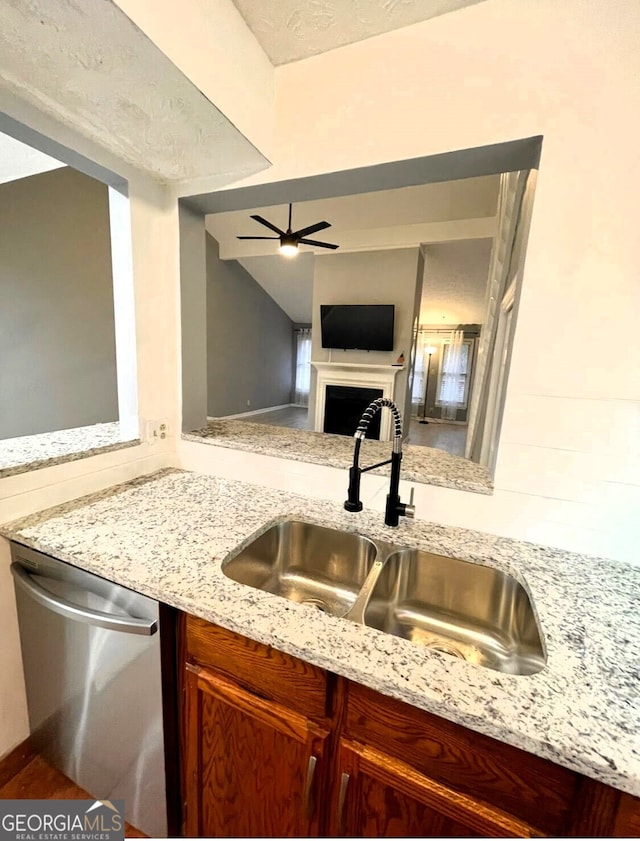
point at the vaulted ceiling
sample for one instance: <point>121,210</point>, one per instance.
<point>87,65</point>
<point>289,30</point>
<point>449,211</point>
<point>94,66</point>
<point>17,160</point>
<point>396,218</point>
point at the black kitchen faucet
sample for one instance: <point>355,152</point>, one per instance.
<point>394,508</point>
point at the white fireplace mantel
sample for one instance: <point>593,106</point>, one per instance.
<point>355,375</point>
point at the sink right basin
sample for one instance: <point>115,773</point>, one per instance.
<point>466,610</point>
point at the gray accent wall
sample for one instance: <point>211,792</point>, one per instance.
<point>249,341</point>
<point>57,338</point>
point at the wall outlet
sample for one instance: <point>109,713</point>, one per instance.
<point>248,402</point>
<point>157,430</point>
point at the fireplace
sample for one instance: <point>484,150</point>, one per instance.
<point>343,408</point>
<point>378,380</point>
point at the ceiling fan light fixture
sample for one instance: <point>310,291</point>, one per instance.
<point>288,246</point>
<point>290,240</point>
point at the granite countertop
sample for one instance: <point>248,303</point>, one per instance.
<point>31,452</point>
<point>419,464</point>
<point>166,535</point>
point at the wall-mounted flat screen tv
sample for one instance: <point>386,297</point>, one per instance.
<point>357,326</point>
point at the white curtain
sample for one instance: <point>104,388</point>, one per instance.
<point>451,394</point>
<point>303,367</point>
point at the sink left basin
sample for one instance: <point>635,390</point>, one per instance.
<point>321,567</point>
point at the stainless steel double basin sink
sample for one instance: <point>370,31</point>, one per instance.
<point>461,609</point>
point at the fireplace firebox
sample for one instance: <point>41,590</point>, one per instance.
<point>344,406</point>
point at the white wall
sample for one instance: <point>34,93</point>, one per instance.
<point>568,471</point>
<point>14,724</point>
<point>371,277</point>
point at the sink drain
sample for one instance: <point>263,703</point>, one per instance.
<point>443,645</point>
<point>318,604</point>
<point>443,648</point>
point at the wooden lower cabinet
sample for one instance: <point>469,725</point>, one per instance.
<point>275,747</point>
<point>250,763</point>
<point>381,797</point>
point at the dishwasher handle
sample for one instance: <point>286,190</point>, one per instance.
<point>109,621</point>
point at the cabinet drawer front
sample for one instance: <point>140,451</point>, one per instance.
<point>526,786</point>
<point>269,673</point>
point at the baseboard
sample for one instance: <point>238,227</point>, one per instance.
<point>440,420</point>
<point>17,759</point>
<point>254,412</point>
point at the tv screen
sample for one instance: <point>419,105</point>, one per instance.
<point>357,326</point>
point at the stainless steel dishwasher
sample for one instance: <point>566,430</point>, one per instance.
<point>94,672</point>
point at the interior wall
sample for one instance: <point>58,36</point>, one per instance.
<point>193,318</point>
<point>568,468</point>
<point>154,240</point>
<point>497,71</point>
<point>371,277</point>
<point>455,282</point>
<point>411,356</point>
<point>249,341</point>
<point>57,334</point>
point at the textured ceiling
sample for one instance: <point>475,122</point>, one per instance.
<point>86,64</point>
<point>17,160</point>
<point>455,282</point>
<point>289,30</point>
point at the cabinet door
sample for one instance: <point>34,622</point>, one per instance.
<point>252,767</point>
<point>378,796</point>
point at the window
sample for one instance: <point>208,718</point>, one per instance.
<point>303,367</point>
<point>453,377</point>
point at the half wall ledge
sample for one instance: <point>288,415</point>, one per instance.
<point>425,465</point>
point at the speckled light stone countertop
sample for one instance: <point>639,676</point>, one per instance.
<point>419,464</point>
<point>166,535</point>
<point>31,452</point>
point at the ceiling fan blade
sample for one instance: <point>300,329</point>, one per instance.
<point>320,244</point>
<point>257,237</point>
<point>312,229</point>
<point>268,224</point>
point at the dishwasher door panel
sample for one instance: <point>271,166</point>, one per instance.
<point>94,695</point>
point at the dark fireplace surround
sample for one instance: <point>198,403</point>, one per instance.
<point>344,406</point>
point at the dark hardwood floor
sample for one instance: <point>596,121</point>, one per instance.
<point>24,775</point>
<point>294,417</point>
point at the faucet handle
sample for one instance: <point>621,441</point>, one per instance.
<point>409,507</point>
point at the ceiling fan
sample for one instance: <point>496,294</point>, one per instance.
<point>290,240</point>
